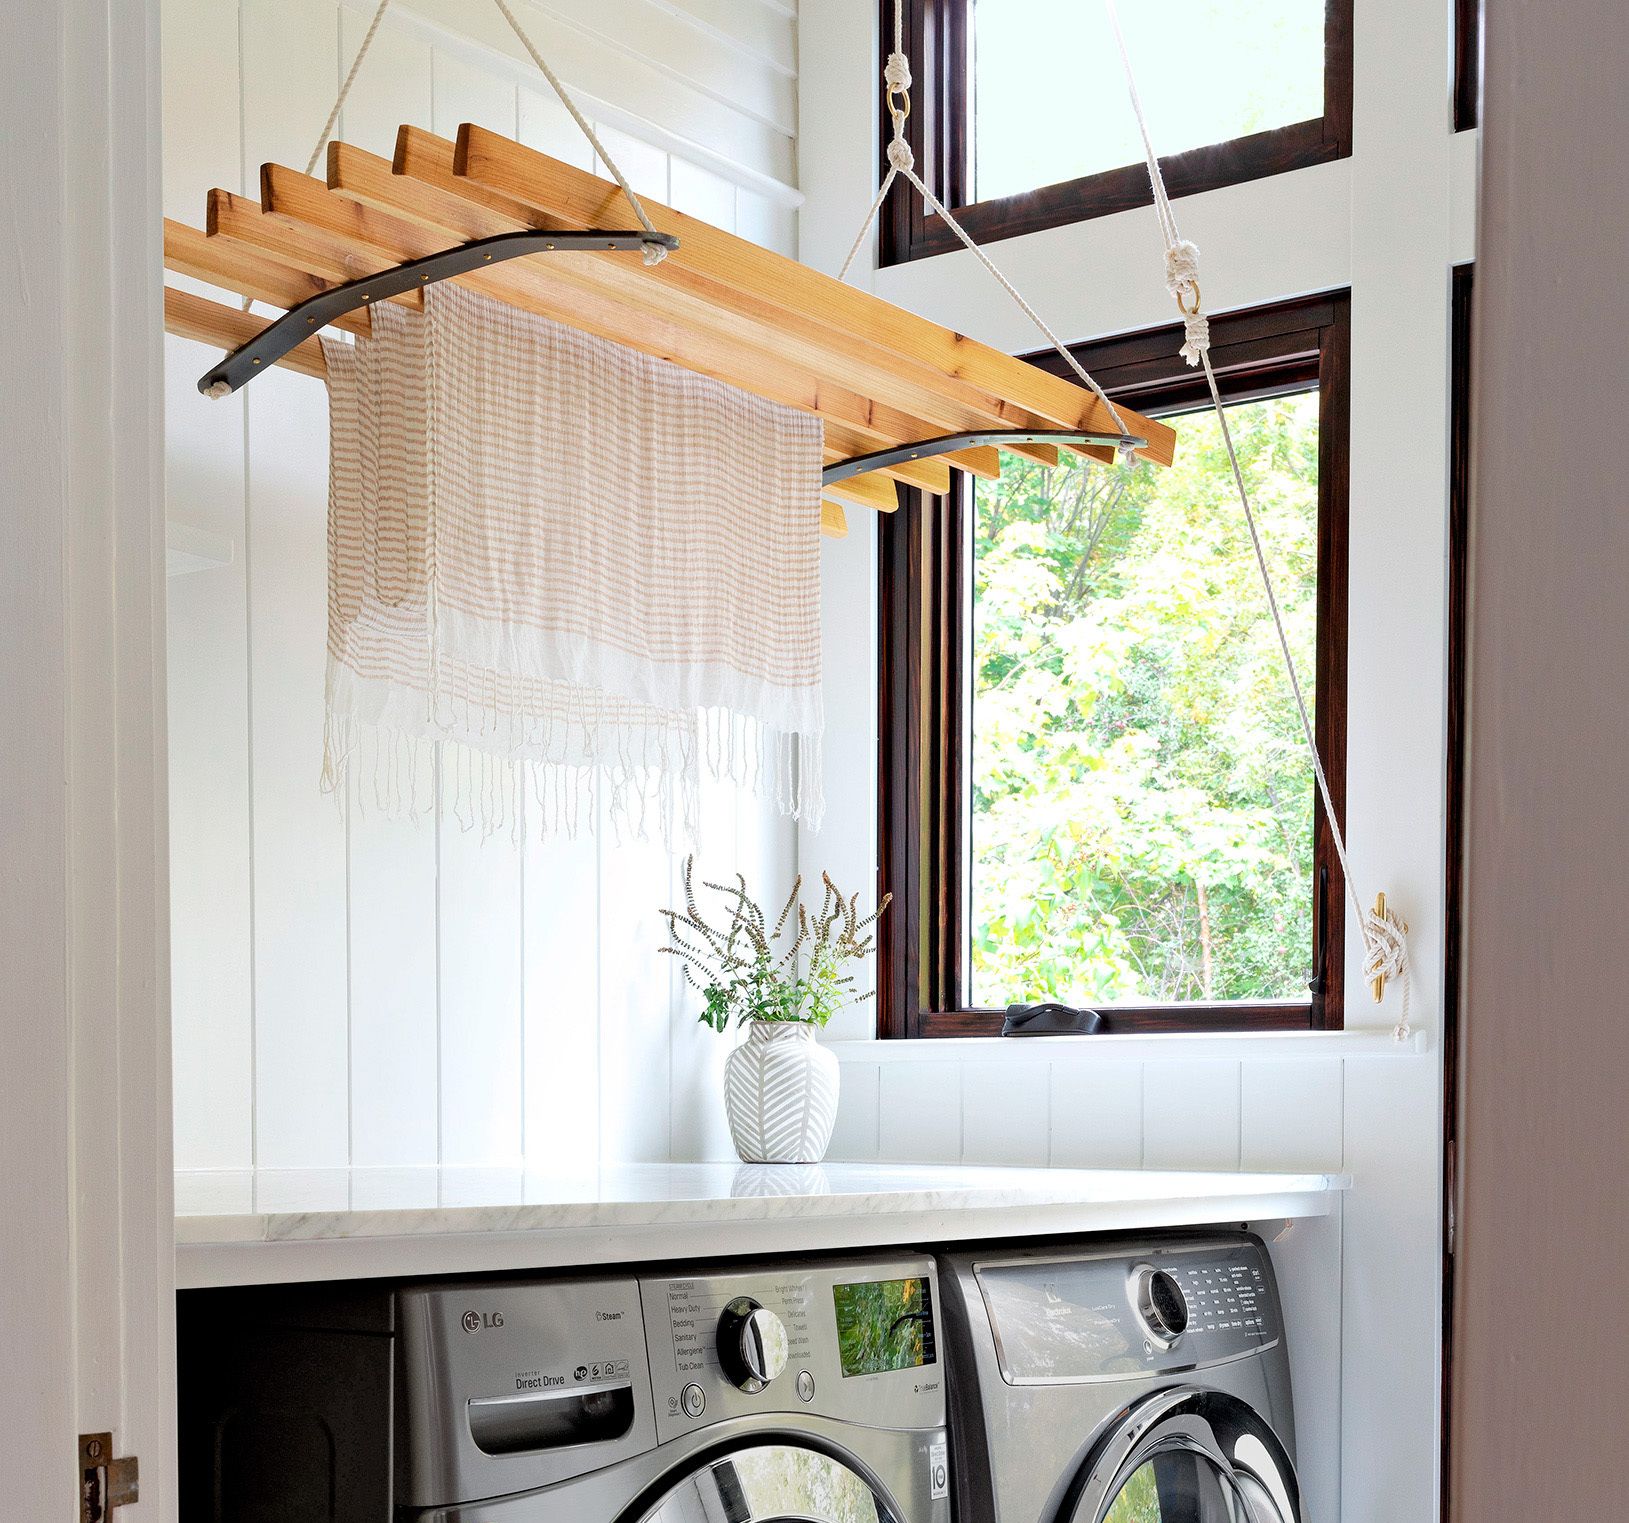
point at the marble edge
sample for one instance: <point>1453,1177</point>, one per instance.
<point>564,1217</point>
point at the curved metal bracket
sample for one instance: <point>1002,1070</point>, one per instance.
<point>299,323</point>
<point>948,444</point>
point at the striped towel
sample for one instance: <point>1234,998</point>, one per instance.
<point>558,566</point>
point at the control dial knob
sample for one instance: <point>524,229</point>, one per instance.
<point>751,1344</point>
<point>1162,1306</point>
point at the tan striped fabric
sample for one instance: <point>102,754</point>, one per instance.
<point>589,571</point>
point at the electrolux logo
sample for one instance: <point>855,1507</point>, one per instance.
<point>474,1321</point>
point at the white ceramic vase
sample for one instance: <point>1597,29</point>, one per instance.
<point>780,1090</point>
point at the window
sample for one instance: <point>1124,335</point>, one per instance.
<point>1467,64</point>
<point>1094,787</point>
<point>1021,119</point>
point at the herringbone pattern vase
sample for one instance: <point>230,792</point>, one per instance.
<point>780,1089</point>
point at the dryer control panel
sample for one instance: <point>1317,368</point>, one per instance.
<point>856,1341</point>
<point>1106,1316</point>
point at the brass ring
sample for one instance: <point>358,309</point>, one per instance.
<point>899,113</point>
<point>1187,311</point>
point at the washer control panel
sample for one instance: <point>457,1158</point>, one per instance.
<point>1106,1316</point>
<point>855,1341</point>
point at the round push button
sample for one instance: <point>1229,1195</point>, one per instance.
<point>694,1400</point>
<point>805,1386</point>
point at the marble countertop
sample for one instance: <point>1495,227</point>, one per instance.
<point>264,1226</point>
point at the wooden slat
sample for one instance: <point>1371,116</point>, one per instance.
<point>196,317</point>
<point>235,268</point>
<point>528,178</point>
<point>332,257</point>
<point>983,461</point>
<point>926,475</point>
<point>551,286</point>
<point>868,491</point>
<point>833,520</point>
<point>897,380</point>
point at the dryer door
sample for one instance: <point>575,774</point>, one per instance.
<point>773,1483</point>
<point>1189,1456</point>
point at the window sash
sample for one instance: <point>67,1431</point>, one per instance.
<point>922,781</point>
<point>940,133</point>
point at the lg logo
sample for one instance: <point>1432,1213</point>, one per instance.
<point>474,1321</point>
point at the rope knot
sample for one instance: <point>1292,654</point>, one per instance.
<point>900,155</point>
<point>1196,336</point>
<point>653,253</point>
<point>218,390</point>
<point>896,73</point>
<point>1385,955</point>
<point>1181,268</point>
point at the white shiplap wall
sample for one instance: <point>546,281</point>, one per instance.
<point>348,988</point>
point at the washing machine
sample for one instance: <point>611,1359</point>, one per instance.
<point>801,1390</point>
<point>1121,1382</point>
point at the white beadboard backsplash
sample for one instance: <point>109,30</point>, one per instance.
<point>1084,1111</point>
<point>350,988</point>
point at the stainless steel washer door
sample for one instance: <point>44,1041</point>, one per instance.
<point>773,1483</point>
<point>1188,1456</point>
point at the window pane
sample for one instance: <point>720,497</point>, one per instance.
<point>1049,97</point>
<point>1141,812</point>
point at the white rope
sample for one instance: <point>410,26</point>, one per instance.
<point>221,388</point>
<point>1384,933</point>
<point>654,253</point>
<point>896,75</point>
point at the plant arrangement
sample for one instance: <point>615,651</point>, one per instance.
<point>798,970</point>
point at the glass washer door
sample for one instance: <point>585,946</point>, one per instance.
<point>773,1483</point>
<point>1189,1456</point>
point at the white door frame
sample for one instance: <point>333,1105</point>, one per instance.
<point>86,1213</point>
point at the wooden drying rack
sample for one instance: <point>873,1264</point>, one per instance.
<point>903,401</point>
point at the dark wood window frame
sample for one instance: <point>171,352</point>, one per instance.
<point>1467,64</point>
<point>1269,351</point>
<point>938,41</point>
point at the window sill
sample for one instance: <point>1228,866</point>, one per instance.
<point>1377,1043</point>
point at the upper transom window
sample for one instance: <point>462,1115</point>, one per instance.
<point>1021,119</point>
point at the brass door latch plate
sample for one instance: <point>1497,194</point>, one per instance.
<point>104,1482</point>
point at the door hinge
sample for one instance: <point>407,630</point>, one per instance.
<point>105,1482</point>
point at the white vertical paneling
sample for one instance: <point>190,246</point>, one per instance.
<point>464,92</point>
<point>300,914</point>
<point>767,223</point>
<point>202,136</point>
<point>210,971</point>
<point>561,974</point>
<point>1307,1260</point>
<point>1391,1257</point>
<point>210,918</point>
<point>415,992</point>
<point>636,1000</point>
<point>393,919</point>
<point>291,74</point>
<point>547,126</point>
<point>1191,1115</point>
<point>1290,1114</point>
<point>696,1053</point>
<point>396,84</point>
<point>643,165</point>
<point>698,192</point>
<point>1097,1114</point>
<point>920,1113</point>
<point>1006,1113</point>
<point>480,941</point>
<point>855,1138</point>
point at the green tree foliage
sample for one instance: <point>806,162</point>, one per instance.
<point>1142,800</point>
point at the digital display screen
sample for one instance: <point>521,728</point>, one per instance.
<point>884,1325</point>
